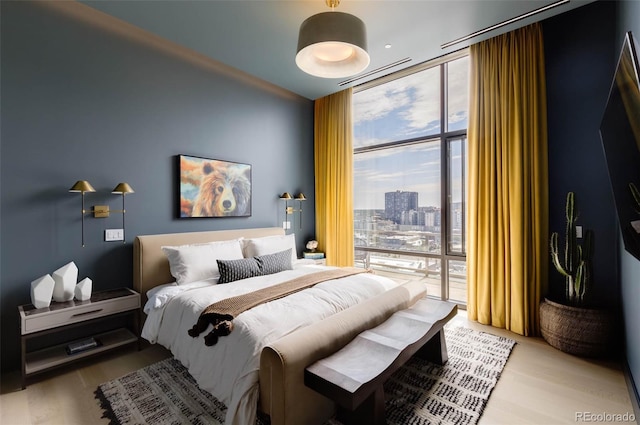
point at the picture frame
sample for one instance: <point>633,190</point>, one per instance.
<point>213,188</point>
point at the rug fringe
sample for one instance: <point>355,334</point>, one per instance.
<point>107,411</point>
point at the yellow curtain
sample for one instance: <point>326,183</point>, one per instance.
<point>333,154</point>
<point>507,254</point>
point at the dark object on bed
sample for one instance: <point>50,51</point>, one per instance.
<point>244,268</point>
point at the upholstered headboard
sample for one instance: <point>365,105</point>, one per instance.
<point>150,265</point>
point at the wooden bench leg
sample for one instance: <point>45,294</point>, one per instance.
<point>370,412</point>
<point>435,350</point>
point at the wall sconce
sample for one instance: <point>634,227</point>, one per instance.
<point>300,198</point>
<point>82,186</point>
<point>101,211</point>
<point>122,188</point>
<point>286,196</point>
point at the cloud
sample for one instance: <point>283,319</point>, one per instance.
<point>414,100</point>
<point>377,102</point>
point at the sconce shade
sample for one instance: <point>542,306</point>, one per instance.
<point>300,197</point>
<point>286,195</point>
<point>82,186</point>
<point>122,188</point>
<point>332,45</point>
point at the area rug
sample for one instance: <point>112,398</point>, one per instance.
<point>420,393</point>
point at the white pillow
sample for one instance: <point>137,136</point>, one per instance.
<point>190,263</point>
<point>270,245</point>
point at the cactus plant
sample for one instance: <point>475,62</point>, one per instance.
<point>576,267</point>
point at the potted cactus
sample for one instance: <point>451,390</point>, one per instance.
<point>576,265</point>
<point>571,324</point>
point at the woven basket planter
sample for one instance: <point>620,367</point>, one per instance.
<point>579,331</point>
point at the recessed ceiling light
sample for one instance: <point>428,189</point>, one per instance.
<point>387,46</point>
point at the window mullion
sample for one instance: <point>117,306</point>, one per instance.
<point>444,187</point>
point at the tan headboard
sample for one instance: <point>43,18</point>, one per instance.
<point>150,265</point>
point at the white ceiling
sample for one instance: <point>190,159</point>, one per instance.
<point>259,37</point>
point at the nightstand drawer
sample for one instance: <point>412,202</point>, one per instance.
<point>77,313</point>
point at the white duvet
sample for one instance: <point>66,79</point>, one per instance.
<point>229,369</point>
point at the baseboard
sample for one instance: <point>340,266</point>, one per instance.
<point>633,389</point>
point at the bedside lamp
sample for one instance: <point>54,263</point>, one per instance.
<point>82,186</point>
<point>123,188</point>
<point>300,198</point>
<point>287,197</point>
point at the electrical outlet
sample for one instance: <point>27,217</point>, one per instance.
<point>578,232</point>
<point>114,235</point>
<point>286,225</point>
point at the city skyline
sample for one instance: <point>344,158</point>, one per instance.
<point>408,109</point>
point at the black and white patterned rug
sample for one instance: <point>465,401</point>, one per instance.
<point>420,393</point>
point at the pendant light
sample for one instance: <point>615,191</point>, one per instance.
<point>332,44</point>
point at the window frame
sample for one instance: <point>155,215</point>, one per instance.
<point>444,137</point>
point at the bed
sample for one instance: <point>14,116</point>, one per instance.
<point>260,364</point>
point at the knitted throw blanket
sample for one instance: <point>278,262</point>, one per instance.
<point>221,314</point>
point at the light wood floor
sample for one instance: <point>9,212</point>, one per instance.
<point>539,385</point>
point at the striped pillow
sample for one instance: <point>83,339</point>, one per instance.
<point>232,270</point>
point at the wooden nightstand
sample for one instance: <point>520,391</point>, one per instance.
<point>60,317</point>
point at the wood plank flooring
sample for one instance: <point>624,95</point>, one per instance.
<point>539,385</point>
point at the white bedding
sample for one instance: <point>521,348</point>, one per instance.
<point>229,369</point>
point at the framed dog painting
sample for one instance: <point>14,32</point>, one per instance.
<point>214,188</point>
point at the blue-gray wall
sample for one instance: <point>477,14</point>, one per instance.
<point>629,20</point>
<point>95,100</point>
<point>579,66</point>
<point>582,49</point>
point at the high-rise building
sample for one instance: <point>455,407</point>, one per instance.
<point>397,202</point>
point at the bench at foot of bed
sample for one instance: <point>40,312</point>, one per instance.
<point>353,377</point>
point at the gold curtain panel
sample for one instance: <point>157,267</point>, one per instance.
<point>507,254</point>
<point>333,151</point>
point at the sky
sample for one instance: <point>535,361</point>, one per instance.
<point>406,108</point>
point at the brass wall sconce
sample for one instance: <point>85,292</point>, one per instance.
<point>101,211</point>
<point>286,196</point>
<point>300,198</point>
<point>82,186</point>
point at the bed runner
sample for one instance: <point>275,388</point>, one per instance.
<point>222,313</point>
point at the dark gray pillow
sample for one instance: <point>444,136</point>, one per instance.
<point>231,270</point>
<point>274,263</point>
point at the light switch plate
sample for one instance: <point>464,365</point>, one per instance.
<point>114,235</point>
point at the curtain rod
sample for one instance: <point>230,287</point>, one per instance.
<point>503,23</point>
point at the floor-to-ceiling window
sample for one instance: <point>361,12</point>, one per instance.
<point>410,175</point>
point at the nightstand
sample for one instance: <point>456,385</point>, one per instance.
<point>62,316</point>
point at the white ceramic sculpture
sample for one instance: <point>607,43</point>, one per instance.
<point>83,289</point>
<point>65,278</point>
<point>41,291</point>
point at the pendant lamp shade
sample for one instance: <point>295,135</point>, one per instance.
<point>332,45</point>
